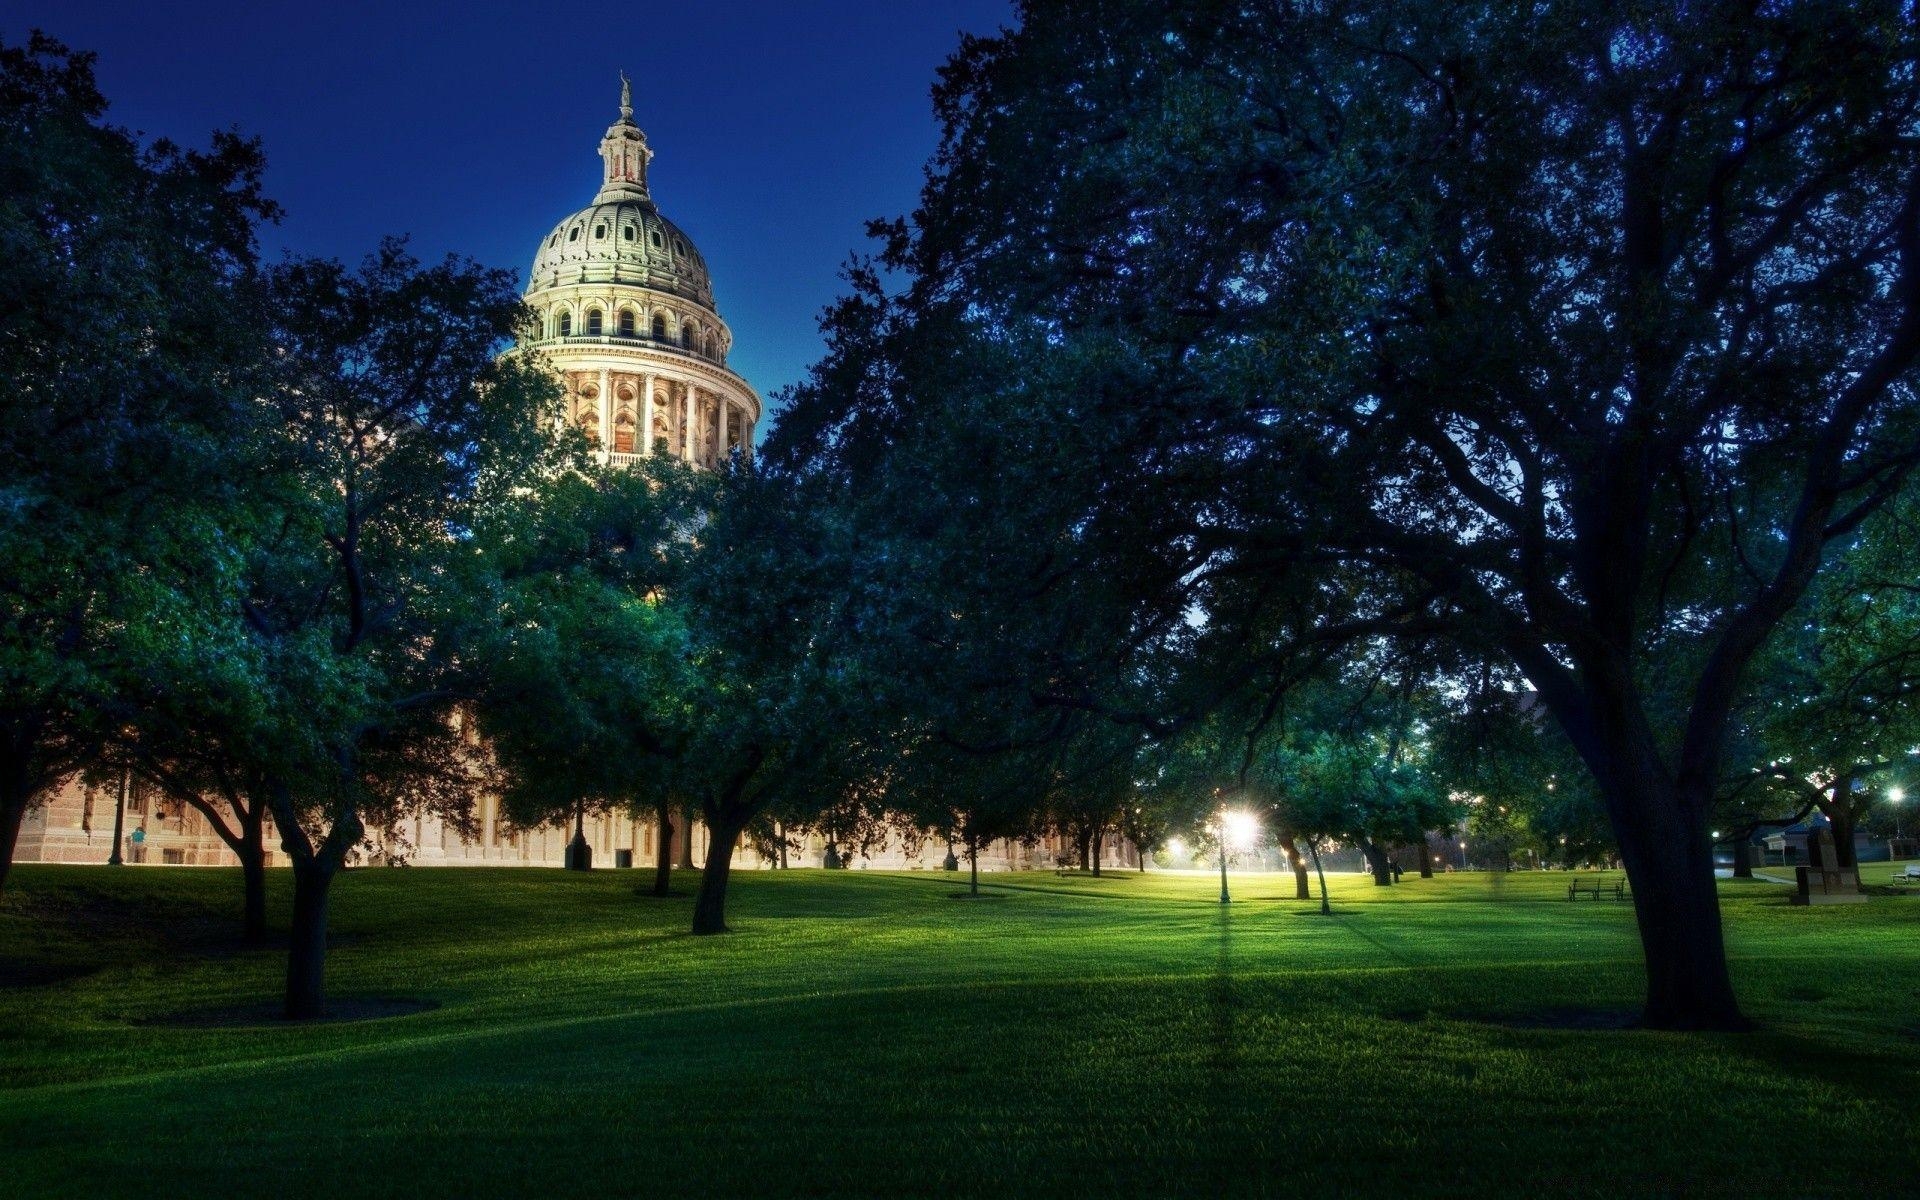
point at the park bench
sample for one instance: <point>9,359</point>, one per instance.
<point>1597,888</point>
<point>1910,875</point>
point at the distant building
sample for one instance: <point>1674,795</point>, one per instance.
<point>627,319</point>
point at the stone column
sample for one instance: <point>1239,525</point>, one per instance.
<point>646,414</point>
<point>606,415</point>
<point>687,429</point>
<point>720,432</point>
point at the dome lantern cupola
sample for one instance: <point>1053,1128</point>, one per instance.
<point>625,152</point>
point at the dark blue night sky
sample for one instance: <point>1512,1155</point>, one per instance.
<point>778,128</point>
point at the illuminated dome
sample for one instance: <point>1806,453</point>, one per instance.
<point>623,240</point>
<point>627,318</point>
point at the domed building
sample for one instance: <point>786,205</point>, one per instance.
<point>627,318</point>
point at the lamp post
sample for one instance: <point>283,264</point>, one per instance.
<point>1224,898</point>
<point>1895,796</point>
<point>579,853</point>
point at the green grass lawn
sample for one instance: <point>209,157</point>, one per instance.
<point>870,1034</point>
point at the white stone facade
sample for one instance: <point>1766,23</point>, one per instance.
<point>625,315</point>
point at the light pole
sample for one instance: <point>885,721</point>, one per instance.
<point>579,853</point>
<point>1224,898</point>
<point>1895,796</point>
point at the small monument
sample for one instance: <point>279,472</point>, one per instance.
<point>1823,880</point>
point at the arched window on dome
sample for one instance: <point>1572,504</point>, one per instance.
<point>654,236</point>
<point>563,326</point>
<point>593,322</point>
<point>659,327</point>
<point>626,231</point>
<point>623,432</point>
<point>573,235</point>
<point>686,335</point>
<point>626,322</point>
<point>599,231</point>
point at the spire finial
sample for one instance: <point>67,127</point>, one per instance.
<point>626,98</point>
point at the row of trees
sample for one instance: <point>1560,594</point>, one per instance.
<point>310,548</point>
<point>1336,410</point>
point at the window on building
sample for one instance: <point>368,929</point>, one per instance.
<point>565,325</point>
<point>573,235</point>
<point>599,231</point>
<point>626,231</point>
<point>654,236</point>
<point>686,336</point>
<point>593,322</point>
<point>659,327</point>
<point>679,247</point>
<point>623,433</point>
<point>626,322</point>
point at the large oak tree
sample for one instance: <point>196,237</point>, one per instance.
<point>1576,334</point>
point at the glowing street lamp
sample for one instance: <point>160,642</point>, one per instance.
<point>1242,829</point>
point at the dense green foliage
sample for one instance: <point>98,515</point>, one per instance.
<point>863,1034</point>
<point>127,284</point>
<point>1574,335</point>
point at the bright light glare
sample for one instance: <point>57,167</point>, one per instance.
<point>1243,829</point>
<point>1896,794</point>
<point>1177,848</point>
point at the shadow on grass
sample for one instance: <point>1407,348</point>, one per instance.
<point>267,1013</point>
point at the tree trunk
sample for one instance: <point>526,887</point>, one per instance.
<point>1742,859</point>
<point>780,831</point>
<point>686,839</point>
<point>307,949</point>
<point>1313,848</point>
<point>973,867</point>
<point>1081,842</point>
<point>1302,887</point>
<point>252,852</point>
<point>1099,843</point>
<point>13,811</point>
<point>1668,855</point>
<point>663,856</point>
<point>1377,862</point>
<point>1841,815</point>
<point>710,907</point>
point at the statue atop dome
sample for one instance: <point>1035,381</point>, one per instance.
<point>625,152</point>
